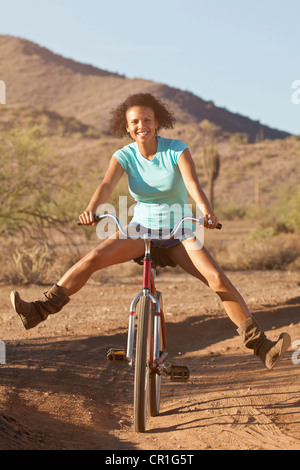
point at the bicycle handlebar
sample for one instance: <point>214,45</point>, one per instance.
<point>170,235</point>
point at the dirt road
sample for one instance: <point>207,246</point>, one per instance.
<point>57,390</point>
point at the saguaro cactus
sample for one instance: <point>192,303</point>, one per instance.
<point>211,167</point>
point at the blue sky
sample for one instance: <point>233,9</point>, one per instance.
<point>241,54</point>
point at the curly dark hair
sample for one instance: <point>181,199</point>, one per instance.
<point>163,115</point>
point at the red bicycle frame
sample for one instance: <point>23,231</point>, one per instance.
<point>148,288</point>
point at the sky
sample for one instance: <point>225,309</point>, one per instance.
<point>241,54</point>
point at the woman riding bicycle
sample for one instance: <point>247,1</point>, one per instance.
<point>160,173</point>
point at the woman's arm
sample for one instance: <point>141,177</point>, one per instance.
<point>102,193</point>
<point>188,171</point>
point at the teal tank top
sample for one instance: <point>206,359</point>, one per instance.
<point>156,185</point>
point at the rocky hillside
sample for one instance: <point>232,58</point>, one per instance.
<point>36,76</point>
<point>72,102</point>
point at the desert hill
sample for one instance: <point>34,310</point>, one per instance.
<point>61,96</point>
<point>36,76</point>
<point>54,136</point>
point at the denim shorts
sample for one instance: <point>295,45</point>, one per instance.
<point>186,233</point>
<point>182,235</point>
<point>159,250</point>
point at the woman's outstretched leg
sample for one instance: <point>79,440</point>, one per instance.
<point>111,251</point>
<point>196,260</point>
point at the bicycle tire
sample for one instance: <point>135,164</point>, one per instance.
<point>142,362</point>
<point>155,378</point>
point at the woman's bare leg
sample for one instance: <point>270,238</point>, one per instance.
<point>196,260</point>
<point>110,252</point>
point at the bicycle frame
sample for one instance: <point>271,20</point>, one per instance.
<point>156,360</point>
<point>158,323</point>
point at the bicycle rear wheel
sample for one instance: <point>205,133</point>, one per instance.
<point>155,378</point>
<point>142,364</point>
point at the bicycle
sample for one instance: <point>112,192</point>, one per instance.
<point>151,338</point>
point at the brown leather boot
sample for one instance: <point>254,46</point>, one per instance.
<point>268,351</point>
<point>33,313</point>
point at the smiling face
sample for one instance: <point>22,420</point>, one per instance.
<point>141,124</point>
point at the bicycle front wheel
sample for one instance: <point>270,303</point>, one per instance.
<point>142,364</point>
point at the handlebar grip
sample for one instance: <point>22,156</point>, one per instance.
<point>219,226</point>
<point>96,218</point>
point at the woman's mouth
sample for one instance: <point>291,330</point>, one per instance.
<point>143,134</point>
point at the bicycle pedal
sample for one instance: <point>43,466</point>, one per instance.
<point>116,355</point>
<point>179,373</point>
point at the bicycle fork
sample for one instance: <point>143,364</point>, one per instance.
<point>157,356</point>
<point>156,328</point>
<point>148,290</point>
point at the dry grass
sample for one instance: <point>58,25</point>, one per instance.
<point>281,252</point>
<point>29,263</point>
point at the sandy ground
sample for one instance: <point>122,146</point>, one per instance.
<point>57,390</point>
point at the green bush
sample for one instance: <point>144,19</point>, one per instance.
<point>230,210</point>
<point>283,216</point>
<point>36,191</point>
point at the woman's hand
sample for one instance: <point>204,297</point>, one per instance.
<point>210,220</point>
<point>87,218</point>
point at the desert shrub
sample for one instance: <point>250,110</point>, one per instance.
<point>238,139</point>
<point>36,191</point>
<point>282,216</point>
<point>29,265</point>
<point>261,233</point>
<point>288,208</point>
<point>230,210</point>
<point>279,252</point>
<point>23,261</point>
<point>40,199</point>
